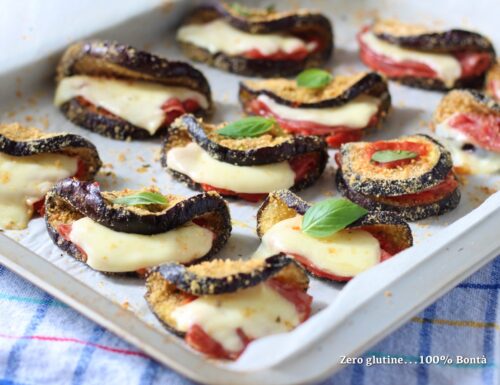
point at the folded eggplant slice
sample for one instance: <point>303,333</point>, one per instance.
<point>420,57</point>
<point>31,162</point>
<point>410,175</point>
<point>116,237</point>
<point>220,306</point>
<point>341,111</point>
<point>366,242</point>
<point>256,42</point>
<point>124,93</point>
<point>247,168</point>
<point>492,86</point>
<point>468,124</point>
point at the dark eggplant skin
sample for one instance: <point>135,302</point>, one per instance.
<point>409,213</point>
<point>17,140</point>
<point>386,187</point>
<point>298,22</point>
<point>112,59</point>
<point>370,84</point>
<point>185,279</point>
<point>438,85</point>
<point>71,199</point>
<point>283,204</point>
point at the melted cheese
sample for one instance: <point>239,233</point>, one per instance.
<point>479,161</point>
<point>355,114</point>
<point>258,311</point>
<point>196,163</point>
<point>346,253</point>
<point>25,180</point>
<point>138,102</point>
<point>113,251</point>
<point>446,66</point>
<point>220,36</point>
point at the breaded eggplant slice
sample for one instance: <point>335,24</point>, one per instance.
<point>171,285</point>
<point>463,47</point>
<point>468,123</point>
<point>364,88</point>
<point>391,230</point>
<point>309,26</point>
<point>71,200</point>
<point>364,176</point>
<point>270,148</point>
<point>31,161</point>
<point>108,60</point>
<point>492,86</point>
<point>17,140</point>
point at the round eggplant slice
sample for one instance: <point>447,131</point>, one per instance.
<point>172,285</point>
<point>340,91</point>
<point>109,59</point>
<point>17,140</point>
<point>301,23</point>
<point>466,101</point>
<point>413,212</point>
<point>272,147</point>
<point>71,200</point>
<point>423,39</point>
<point>283,204</point>
<point>364,176</point>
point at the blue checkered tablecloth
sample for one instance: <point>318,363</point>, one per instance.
<point>42,341</point>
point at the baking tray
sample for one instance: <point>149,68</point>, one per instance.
<point>348,318</point>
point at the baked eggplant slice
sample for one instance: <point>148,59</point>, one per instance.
<point>131,231</point>
<point>421,57</point>
<point>31,162</point>
<point>410,175</point>
<point>341,111</point>
<point>256,42</point>
<point>124,93</point>
<point>493,81</point>
<point>263,297</point>
<point>468,123</point>
<point>367,241</point>
<point>243,167</point>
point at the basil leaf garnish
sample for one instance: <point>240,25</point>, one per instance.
<point>247,127</point>
<point>142,198</point>
<point>330,216</point>
<point>386,156</point>
<point>313,78</point>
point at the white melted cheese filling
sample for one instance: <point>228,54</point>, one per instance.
<point>219,36</point>
<point>137,102</point>
<point>479,161</point>
<point>196,163</point>
<point>113,251</point>
<point>446,66</point>
<point>355,114</point>
<point>25,180</point>
<point>258,311</point>
<point>346,253</point>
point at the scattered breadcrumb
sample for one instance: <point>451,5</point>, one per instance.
<point>388,293</point>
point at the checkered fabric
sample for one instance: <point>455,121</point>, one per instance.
<point>42,341</point>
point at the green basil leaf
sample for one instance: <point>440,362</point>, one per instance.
<point>247,127</point>
<point>330,216</point>
<point>241,9</point>
<point>313,78</point>
<point>386,156</point>
<point>142,198</point>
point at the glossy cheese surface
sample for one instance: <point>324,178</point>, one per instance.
<point>113,251</point>
<point>137,102</point>
<point>355,114</point>
<point>25,180</point>
<point>345,253</point>
<point>219,36</point>
<point>196,163</point>
<point>446,66</point>
<point>258,311</point>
